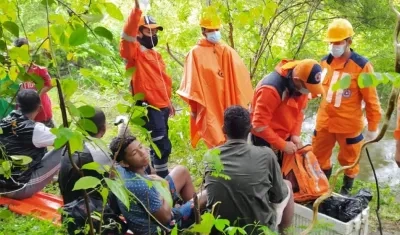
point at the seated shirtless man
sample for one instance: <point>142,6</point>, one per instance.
<point>256,191</point>
<point>133,159</point>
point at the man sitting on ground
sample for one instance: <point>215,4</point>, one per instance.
<point>68,176</point>
<point>133,159</point>
<point>21,135</point>
<point>256,191</point>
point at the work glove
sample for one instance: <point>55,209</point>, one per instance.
<point>370,135</point>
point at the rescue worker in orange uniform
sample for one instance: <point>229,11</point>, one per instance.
<point>277,109</point>
<point>340,115</point>
<point>397,134</point>
<point>140,35</point>
<point>214,78</point>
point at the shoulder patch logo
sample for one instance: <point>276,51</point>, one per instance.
<point>346,93</point>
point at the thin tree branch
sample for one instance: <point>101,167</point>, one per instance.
<point>173,56</point>
<point>231,41</point>
<point>309,17</point>
<point>65,119</point>
<point>19,18</point>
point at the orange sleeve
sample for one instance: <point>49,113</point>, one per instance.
<point>266,103</point>
<point>397,131</point>
<point>129,44</point>
<point>372,105</point>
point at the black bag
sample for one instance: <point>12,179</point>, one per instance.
<point>76,210</point>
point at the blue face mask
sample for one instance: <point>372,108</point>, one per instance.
<point>213,37</point>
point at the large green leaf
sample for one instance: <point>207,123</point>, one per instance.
<point>78,37</point>
<point>87,125</point>
<point>206,224</point>
<point>103,32</point>
<point>101,50</point>
<point>86,182</point>
<point>365,80</point>
<point>62,136</point>
<point>220,224</point>
<point>345,82</point>
<point>3,45</point>
<point>94,166</point>
<point>69,87</point>
<point>163,189</point>
<point>87,111</point>
<point>21,160</point>
<point>20,54</point>
<point>119,190</point>
<point>76,142</point>
<point>12,28</point>
<point>113,11</point>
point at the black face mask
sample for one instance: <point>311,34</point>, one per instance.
<point>148,42</point>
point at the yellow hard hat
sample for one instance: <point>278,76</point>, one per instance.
<point>209,19</point>
<point>339,30</point>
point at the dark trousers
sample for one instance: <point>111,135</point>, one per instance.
<point>157,123</point>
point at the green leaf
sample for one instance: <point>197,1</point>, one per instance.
<point>3,45</point>
<point>113,11</point>
<point>78,37</point>
<point>138,96</point>
<point>119,190</point>
<point>6,165</point>
<point>365,80</point>
<point>101,50</point>
<point>12,28</point>
<point>163,188</point>
<point>87,125</point>
<point>122,108</point>
<point>76,142</point>
<point>48,2</point>
<point>87,111</point>
<point>92,18</point>
<point>156,149</point>
<point>94,166</point>
<point>104,194</point>
<point>174,231</point>
<point>336,86</point>
<point>86,182</point>
<point>206,224</point>
<point>72,109</point>
<point>39,82</point>
<point>345,82</point>
<point>21,160</point>
<point>220,224</point>
<point>1,131</point>
<point>129,72</point>
<point>103,32</point>
<point>62,136</point>
<point>138,121</point>
<point>20,54</point>
<point>69,87</point>
<point>3,73</point>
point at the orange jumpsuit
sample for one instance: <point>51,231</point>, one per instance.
<point>276,115</point>
<point>150,76</point>
<point>340,115</point>
<point>215,78</point>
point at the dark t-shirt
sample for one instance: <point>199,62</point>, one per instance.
<point>68,176</point>
<point>255,182</point>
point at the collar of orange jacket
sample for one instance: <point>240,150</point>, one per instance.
<point>205,43</point>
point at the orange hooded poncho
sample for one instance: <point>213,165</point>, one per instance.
<point>215,78</point>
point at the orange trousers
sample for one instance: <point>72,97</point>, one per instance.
<point>350,146</point>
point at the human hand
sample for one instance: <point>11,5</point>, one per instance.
<point>297,141</point>
<point>171,110</point>
<point>290,148</point>
<point>371,135</point>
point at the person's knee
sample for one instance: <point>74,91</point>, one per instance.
<point>182,171</point>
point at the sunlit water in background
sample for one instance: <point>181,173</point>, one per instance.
<point>382,155</point>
